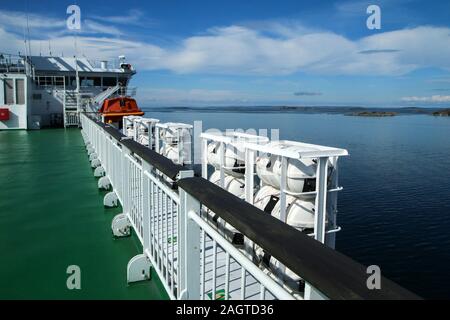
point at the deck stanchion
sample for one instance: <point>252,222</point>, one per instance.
<point>146,206</point>
<point>189,249</point>
<point>321,199</point>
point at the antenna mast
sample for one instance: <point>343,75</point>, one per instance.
<point>26,50</point>
<point>28,29</point>
<point>26,39</point>
<point>76,71</point>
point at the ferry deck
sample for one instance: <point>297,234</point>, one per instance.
<point>52,216</point>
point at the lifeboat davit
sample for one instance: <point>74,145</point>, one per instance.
<point>114,109</point>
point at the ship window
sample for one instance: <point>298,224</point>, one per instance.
<point>109,82</point>
<point>45,81</point>
<point>20,91</point>
<point>37,96</point>
<point>97,81</point>
<point>59,81</point>
<point>87,82</point>
<point>9,91</point>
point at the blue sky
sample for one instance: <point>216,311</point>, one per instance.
<point>255,52</point>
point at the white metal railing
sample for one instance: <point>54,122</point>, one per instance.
<point>71,118</point>
<point>12,63</point>
<point>192,259</point>
<point>220,271</point>
<point>50,81</point>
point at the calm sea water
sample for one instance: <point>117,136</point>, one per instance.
<point>395,207</point>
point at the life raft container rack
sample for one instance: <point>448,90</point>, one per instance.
<point>145,131</point>
<point>295,182</point>
<point>128,125</point>
<point>174,141</point>
<point>224,154</point>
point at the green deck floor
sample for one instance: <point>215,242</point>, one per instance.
<point>52,216</point>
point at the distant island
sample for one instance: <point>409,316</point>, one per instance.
<point>374,114</point>
<point>442,113</point>
<point>342,110</point>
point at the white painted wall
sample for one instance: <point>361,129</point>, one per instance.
<point>18,114</point>
<point>45,106</point>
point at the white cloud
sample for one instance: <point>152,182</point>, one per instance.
<point>99,48</point>
<point>90,26</point>
<point>241,50</point>
<point>133,17</point>
<point>19,20</point>
<point>49,28</point>
<point>254,49</point>
<point>431,99</point>
<point>10,42</point>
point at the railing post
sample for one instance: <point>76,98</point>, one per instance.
<point>249,175</point>
<point>124,172</point>
<point>146,205</point>
<point>330,239</point>
<point>204,159</point>
<point>321,199</point>
<point>320,218</point>
<point>188,246</point>
<point>157,139</point>
<point>312,293</point>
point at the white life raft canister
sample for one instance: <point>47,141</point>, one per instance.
<point>143,139</point>
<point>232,184</point>
<point>236,187</point>
<point>299,212</point>
<point>174,133</point>
<point>233,158</point>
<point>173,153</point>
<point>300,174</point>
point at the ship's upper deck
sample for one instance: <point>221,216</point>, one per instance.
<point>71,64</point>
<point>52,65</point>
<point>52,216</point>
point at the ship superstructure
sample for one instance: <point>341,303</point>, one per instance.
<point>47,91</point>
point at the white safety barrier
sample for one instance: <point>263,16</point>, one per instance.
<point>192,259</point>
<point>71,118</point>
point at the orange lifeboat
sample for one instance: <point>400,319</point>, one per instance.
<point>114,109</point>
